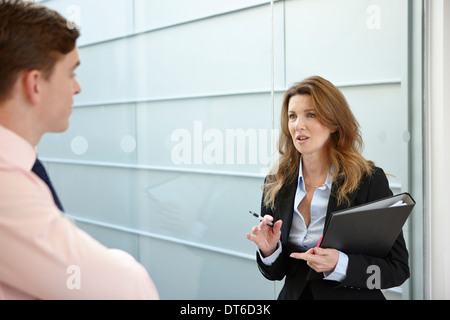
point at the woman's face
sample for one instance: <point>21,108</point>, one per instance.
<point>309,135</point>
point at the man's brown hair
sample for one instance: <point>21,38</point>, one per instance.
<point>32,37</point>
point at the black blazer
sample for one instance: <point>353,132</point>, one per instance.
<point>394,269</point>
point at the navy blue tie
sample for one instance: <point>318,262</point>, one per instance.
<point>39,170</point>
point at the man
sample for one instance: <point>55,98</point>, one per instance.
<point>43,255</point>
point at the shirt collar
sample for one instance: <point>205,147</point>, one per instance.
<point>16,150</point>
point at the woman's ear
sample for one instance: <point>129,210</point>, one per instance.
<point>335,129</point>
<point>31,81</point>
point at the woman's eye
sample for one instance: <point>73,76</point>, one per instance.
<point>311,115</point>
<point>292,116</point>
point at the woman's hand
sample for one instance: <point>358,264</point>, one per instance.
<point>319,259</point>
<point>265,236</point>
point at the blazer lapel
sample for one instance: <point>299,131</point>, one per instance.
<point>286,208</point>
<point>333,206</point>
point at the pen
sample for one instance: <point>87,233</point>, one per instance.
<point>261,218</point>
<point>318,243</point>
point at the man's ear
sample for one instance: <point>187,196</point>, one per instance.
<point>31,81</point>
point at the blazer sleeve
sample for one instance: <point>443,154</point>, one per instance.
<point>276,270</point>
<point>394,269</point>
<point>283,265</point>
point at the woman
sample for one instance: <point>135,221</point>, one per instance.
<point>320,171</point>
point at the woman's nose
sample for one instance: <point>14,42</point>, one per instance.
<point>300,124</point>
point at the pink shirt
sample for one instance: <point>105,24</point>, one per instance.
<point>43,255</point>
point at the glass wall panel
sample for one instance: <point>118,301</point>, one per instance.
<point>100,19</point>
<point>345,41</point>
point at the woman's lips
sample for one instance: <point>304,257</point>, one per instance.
<point>301,139</point>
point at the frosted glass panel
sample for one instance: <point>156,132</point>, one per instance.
<point>379,111</point>
<point>99,19</point>
<point>96,134</point>
<point>201,274</point>
<point>195,273</point>
<point>344,41</point>
<point>230,133</point>
<point>152,14</point>
<point>122,240</point>
<point>226,54</point>
<point>205,209</point>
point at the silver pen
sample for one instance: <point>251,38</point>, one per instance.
<point>261,218</point>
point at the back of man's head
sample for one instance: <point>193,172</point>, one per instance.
<point>32,37</point>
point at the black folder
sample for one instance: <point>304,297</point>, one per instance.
<point>369,229</point>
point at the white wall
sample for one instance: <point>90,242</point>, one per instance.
<point>439,145</point>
